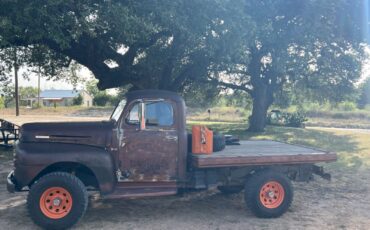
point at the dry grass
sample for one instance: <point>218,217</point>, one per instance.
<point>352,146</point>
<point>53,111</point>
<point>225,114</point>
<point>341,204</point>
<point>50,114</point>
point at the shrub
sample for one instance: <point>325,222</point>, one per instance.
<point>2,102</point>
<point>347,106</point>
<point>78,100</point>
<point>101,99</point>
<point>296,119</point>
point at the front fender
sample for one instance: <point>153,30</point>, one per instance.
<point>33,158</point>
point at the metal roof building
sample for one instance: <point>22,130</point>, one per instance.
<point>56,94</point>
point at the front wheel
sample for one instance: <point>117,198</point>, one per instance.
<point>268,194</point>
<point>57,201</point>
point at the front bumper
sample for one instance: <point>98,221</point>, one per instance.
<point>10,184</point>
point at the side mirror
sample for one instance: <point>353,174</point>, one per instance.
<point>142,115</point>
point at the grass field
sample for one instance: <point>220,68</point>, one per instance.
<point>352,146</point>
<point>342,203</point>
<point>324,117</point>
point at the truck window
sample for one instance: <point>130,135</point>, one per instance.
<point>157,113</point>
<point>133,116</point>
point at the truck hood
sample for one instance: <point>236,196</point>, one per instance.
<point>88,133</point>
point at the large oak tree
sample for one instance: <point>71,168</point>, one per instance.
<point>257,46</point>
<point>149,44</point>
<point>310,44</point>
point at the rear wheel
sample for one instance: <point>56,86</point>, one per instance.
<point>57,201</point>
<point>268,194</point>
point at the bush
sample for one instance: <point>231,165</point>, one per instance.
<point>101,99</point>
<point>296,119</point>
<point>78,100</point>
<point>2,102</point>
<point>114,100</point>
<point>347,106</point>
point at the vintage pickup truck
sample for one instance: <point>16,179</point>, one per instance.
<point>142,151</point>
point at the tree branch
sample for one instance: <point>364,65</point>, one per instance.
<point>243,87</point>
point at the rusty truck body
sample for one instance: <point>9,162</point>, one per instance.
<point>142,151</point>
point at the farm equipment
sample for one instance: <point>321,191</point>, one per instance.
<point>9,133</point>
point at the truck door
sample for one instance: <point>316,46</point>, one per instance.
<point>149,153</point>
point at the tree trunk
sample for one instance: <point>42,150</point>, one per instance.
<point>38,88</point>
<point>262,99</point>
<point>257,120</point>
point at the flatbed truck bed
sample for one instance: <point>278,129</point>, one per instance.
<point>262,152</point>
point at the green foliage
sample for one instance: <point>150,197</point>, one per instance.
<point>92,88</point>
<point>2,102</point>
<point>28,92</point>
<point>347,106</point>
<point>121,92</point>
<point>311,49</point>
<point>78,100</point>
<point>302,48</point>
<point>364,91</point>
<point>149,44</point>
<point>235,99</point>
<point>7,92</point>
<point>201,95</point>
<point>294,119</point>
<point>102,99</point>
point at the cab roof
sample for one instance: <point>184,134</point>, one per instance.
<point>153,94</point>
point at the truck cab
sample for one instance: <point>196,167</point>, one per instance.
<point>150,143</point>
<point>142,151</point>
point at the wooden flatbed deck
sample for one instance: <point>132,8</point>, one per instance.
<point>262,152</point>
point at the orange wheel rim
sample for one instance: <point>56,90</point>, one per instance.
<point>272,194</point>
<point>56,202</point>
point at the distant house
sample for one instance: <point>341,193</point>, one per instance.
<point>64,97</point>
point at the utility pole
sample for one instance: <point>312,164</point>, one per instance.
<point>16,83</point>
<point>38,89</point>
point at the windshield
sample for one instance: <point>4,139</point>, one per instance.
<point>118,110</point>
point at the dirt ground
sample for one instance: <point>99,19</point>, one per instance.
<point>343,203</point>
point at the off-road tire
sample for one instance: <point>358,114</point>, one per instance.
<point>190,142</point>
<point>218,142</point>
<point>70,183</point>
<point>228,190</point>
<point>253,190</point>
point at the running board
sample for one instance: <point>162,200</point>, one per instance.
<point>132,192</point>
